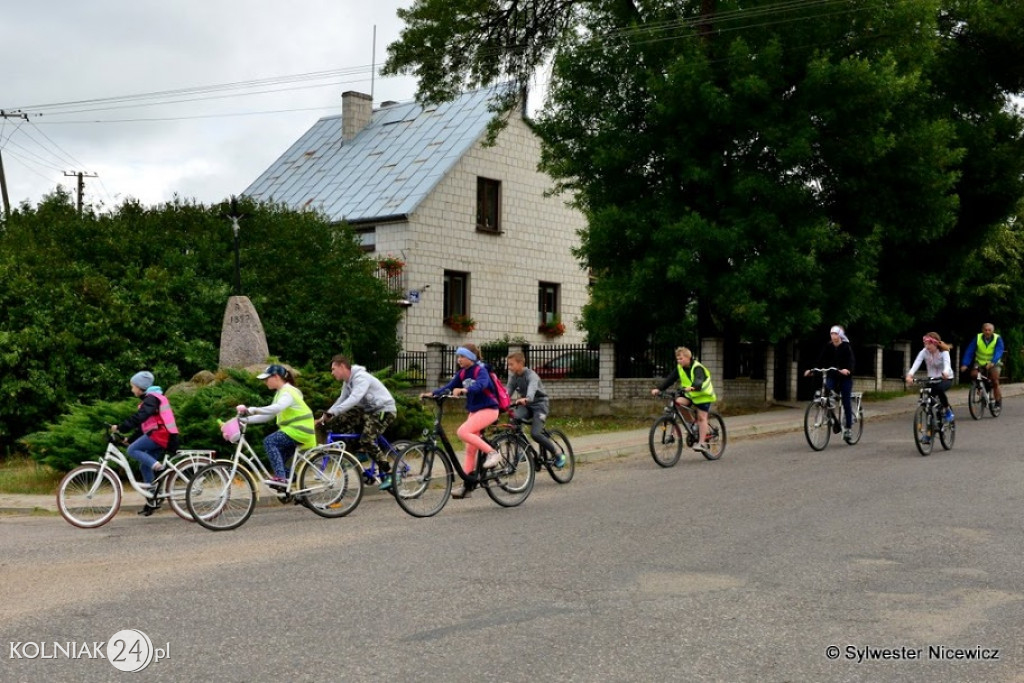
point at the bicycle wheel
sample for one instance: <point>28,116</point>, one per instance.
<point>86,503</point>
<point>422,480</point>
<point>947,434</point>
<point>518,474</point>
<point>857,430</point>
<point>817,427</point>
<point>221,497</point>
<point>975,402</point>
<point>330,483</point>
<point>715,441</point>
<point>563,474</point>
<point>666,441</point>
<point>175,484</point>
<point>923,436</point>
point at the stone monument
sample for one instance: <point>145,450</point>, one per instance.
<point>242,340</point>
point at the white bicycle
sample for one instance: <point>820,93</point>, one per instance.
<point>90,495</point>
<point>326,479</point>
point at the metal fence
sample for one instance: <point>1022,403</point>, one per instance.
<point>550,361</point>
<point>411,364</point>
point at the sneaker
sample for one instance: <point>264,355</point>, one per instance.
<point>700,448</point>
<point>560,460</point>
<point>276,483</point>
<point>925,438</point>
<point>836,427</point>
<point>461,492</point>
<point>847,434</point>
<point>949,415</point>
<point>385,483</point>
<point>493,460</point>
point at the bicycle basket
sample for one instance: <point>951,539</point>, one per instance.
<point>231,430</point>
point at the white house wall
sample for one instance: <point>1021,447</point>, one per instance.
<point>535,245</point>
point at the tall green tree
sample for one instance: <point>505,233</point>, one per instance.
<point>769,166</point>
<point>90,299</point>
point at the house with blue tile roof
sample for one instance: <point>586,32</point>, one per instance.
<point>460,229</point>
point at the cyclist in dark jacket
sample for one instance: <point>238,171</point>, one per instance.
<point>838,353</point>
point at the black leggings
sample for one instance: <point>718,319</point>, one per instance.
<point>940,391</point>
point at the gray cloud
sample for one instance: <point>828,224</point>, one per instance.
<point>207,148</point>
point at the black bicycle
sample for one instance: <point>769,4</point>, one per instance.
<point>678,425</point>
<point>824,415</point>
<point>979,397</point>
<point>423,474</point>
<point>513,430</point>
<point>929,419</point>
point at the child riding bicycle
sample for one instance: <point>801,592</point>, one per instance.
<point>531,403</point>
<point>695,389</point>
<point>155,419</point>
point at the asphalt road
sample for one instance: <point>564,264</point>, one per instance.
<point>745,569</point>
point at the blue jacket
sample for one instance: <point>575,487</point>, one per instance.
<point>477,381</point>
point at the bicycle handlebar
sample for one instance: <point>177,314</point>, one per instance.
<point>822,369</point>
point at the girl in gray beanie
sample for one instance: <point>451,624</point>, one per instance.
<point>155,420</point>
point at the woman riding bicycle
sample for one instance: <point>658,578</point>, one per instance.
<point>838,354</point>
<point>935,356</point>
<point>694,381</point>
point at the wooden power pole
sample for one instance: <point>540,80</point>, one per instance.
<point>81,184</point>
<point>3,177</point>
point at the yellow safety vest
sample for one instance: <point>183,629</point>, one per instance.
<point>984,353</point>
<point>703,394</point>
<point>297,420</point>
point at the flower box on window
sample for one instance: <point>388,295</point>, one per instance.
<point>555,328</point>
<point>392,265</point>
<point>460,323</point>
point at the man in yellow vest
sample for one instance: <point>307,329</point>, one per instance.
<point>986,351</point>
<point>695,388</point>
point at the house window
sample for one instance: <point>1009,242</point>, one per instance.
<point>456,294</point>
<point>367,238</point>
<point>547,302</point>
<point>488,205</point>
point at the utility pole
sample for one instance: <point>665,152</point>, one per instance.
<point>81,184</point>
<point>3,178</point>
<point>3,189</point>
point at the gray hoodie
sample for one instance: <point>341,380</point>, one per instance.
<point>366,391</point>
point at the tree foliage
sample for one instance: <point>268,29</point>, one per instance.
<point>764,167</point>
<point>90,299</point>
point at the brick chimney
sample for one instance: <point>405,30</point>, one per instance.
<point>356,110</point>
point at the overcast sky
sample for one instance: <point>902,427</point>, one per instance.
<point>286,63</point>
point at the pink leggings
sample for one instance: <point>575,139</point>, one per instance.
<point>469,432</point>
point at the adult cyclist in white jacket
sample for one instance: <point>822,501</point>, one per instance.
<point>365,406</point>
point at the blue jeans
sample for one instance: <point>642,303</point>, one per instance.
<point>147,452</point>
<point>279,447</point>
<point>845,383</point>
